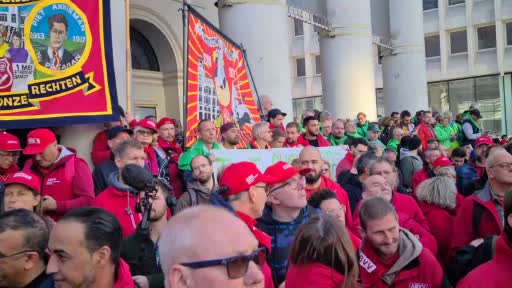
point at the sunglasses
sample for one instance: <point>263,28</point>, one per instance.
<point>236,266</point>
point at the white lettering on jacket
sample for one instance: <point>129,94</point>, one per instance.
<point>367,264</point>
<point>418,285</point>
<point>52,181</point>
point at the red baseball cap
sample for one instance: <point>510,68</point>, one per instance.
<point>283,171</point>
<point>25,178</point>
<point>442,161</point>
<point>38,140</point>
<point>9,142</point>
<point>166,120</point>
<point>484,140</point>
<point>147,123</point>
<point>241,176</point>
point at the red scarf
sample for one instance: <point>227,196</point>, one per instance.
<point>5,173</point>
<point>151,163</point>
<point>372,266</point>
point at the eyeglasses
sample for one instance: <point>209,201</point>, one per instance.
<point>325,170</point>
<point>145,133</point>
<point>294,184</point>
<point>336,211</point>
<point>266,188</point>
<point>15,254</point>
<point>507,166</point>
<point>10,155</point>
<point>236,266</point>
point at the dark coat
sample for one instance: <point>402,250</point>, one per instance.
<point>101,175</point>
<point>350,183</point>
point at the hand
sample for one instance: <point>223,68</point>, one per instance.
<point>128,116</point>
<point>212,157</point>
<point>141,281</point>
<point>49,203</point>
<point>477,242</point>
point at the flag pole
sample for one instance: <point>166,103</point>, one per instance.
<point>184,12</point>
<point>128,57</point>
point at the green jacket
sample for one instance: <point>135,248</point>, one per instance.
<point>140,253</point>
<point>444,135</point>
<point>363,129</point>
<point>197,149</point>
<point>393,144</point>
<point>337,142</point>
<point>457,129</point>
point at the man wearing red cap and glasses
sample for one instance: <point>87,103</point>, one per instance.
<point>247,194</point>
<point>9,152</point>
<point>156,161</point>
<point>287,210</point>
<point>167,142</point>
<point>66,179</point>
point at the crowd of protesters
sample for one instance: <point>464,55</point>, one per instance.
<point>421,200</point>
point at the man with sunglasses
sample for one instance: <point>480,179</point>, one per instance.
<point>286,211</point>
<point>23,240</point>
<point>9,152</point>
<point>247,194</point>
<point>206,246</point>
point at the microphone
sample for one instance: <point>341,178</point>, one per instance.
<point>138,178</point>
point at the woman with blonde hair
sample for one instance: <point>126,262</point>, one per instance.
<point>322,255</point>
<point>437,198</point>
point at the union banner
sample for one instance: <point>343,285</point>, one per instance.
<point>218,86</point>
<point>56,65</point>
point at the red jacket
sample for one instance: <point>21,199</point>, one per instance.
<point>322,142</point>
<point>425,133</point>
<point>405,204</point>
<point>441,222</point>
<point>490,221</point>
<point>100,150</point>
<point>6,173</point>
<point>495,273</point>
<point>124,277</point>
<point>296,144</point>
<point>68,181</point>
<point>419,177</point>
<point>340,193</point>
<point>346,163</point>
<point>272,127</point>
<point>122,205</point>
<point>313,275</point>
<point>264,241</point>
<point>174,150</point>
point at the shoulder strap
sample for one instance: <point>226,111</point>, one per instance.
<point>478,211</point>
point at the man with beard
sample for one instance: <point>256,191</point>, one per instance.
<point>84,251</point>
<point>426,129</point>
<point>311,158</point>
<point>229,136</point>
<point>358,147</point>
<point>139,249</point>
<point>201,187</point>
<point>292,135</point>
<point>275,118</point>
<point>312,136</point>
<point>391,256</point>
<point>337,136</point>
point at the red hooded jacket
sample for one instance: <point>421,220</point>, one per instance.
<point>313,275</point>
<point>68,181</point>
<point>6,173</point>
<point>100,150</point>
<point>122,205</point>
<point>340,193</point>
<point>174,176</point>
<point>419,177</point>
<point>442,223</point>
<point>264,241</point>
<point>495,273</point>
<point>124,277</point>
<point>322,142</point>
<point>346,163</point>
<point>425,133</point>
<point>490,221</point>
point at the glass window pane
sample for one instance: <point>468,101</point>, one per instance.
<point>301,104</point>
<point>142,112</point>
<point>486,37</point>
<point>143,55</point>
<point>461,94</point>
<point>438,97</point>
<point>455,2</point>
<point>489,102</point>
<point>298,27</point>
<point>432,46</point>
<point>429,4</point>
<point>301,67</point>
<point>318,65</point>
<point>459,42</point>
<point>380,102</point>
<point>509,33</point>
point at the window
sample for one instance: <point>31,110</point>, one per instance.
<point>487,92</point>
<point>432,46</point>
<point>318,65</point>
<point>379,93</point>
<point>141,112</point>
<point>298,27</point>
<point>3,17</point>
<point>455,2</point>
<point>301,67</point>
<point>438,96</point>
<point>379,55</point>
<point>13,18</point>
<point>143,54</point>
<point>509,33</point>
<point>458,42</point>
<point>429,4</point>
<point>486,37</point>
<point>301,104</point>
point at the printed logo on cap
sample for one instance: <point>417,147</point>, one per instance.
<point>12,142</point>
<point>22,175</point>
<point>32,141</point>
<point>251,179</point>
<point>152,124</point>
<point>287,166</point>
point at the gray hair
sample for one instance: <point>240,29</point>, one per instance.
<point>256,129</point>
<point>326,115</point>
<point>447,172</point>
<point>308,112</point>
<point>440,191</point>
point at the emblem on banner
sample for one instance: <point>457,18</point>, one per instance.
<point>6,75</point>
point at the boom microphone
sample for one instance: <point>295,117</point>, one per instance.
<point>138,178</point>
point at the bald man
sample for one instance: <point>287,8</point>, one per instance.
<point>489,201</point>
<point>202,237</point>
<point>310,157</point>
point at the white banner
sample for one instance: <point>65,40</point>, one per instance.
<point>267,157</point>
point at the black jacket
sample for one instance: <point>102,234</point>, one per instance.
<point>42,281</point>
<point>101,175</point>
<point>353,186</point>
<point>139,251</point>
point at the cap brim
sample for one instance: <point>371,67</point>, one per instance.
<point>33,149</point>
<point>265,179</point>
<point>304,171</point>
